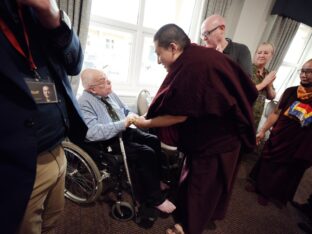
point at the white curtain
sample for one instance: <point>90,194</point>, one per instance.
<point>79,14</point>
<point>216,7</point>
<point>280,31</point>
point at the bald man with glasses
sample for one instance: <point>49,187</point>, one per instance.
<point>213,34</point>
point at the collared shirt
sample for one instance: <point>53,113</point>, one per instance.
<point>100,125</point>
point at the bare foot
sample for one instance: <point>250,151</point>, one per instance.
<point>179,228</point>
<point>166,207</point>
<point>176,229</point>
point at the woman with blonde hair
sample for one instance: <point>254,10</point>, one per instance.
<point>262,78</point>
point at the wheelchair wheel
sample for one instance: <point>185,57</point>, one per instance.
<point>122,211</point>
<point>83,182</point>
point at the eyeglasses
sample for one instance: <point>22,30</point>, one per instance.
<point>207,33</point>
<point>102,82</point>
<point>307,72</point>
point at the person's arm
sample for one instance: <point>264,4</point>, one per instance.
<point>100,130</point>
<point>56,28</point>
<point>267,84</point>
<point>159,121</point>
<point>270,91</point>
<point>271,120</point>
<point>47,12</point>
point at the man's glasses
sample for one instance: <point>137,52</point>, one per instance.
<point>101,83</point>
<point>307,72</point>
<point>207,33</point>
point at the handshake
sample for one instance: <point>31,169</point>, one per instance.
<point>132,119</point>
<point>136,120</point>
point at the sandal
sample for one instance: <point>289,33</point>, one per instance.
<point>176,229</point>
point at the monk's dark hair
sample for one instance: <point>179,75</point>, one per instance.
<point>171,33</point>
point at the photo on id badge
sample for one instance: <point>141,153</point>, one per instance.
<point>43,92</point>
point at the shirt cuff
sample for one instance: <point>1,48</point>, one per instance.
<point>120,125</point>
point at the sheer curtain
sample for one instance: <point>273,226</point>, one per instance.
<point>216,7</point>
<point>79,14</point>
<point>280,31</point>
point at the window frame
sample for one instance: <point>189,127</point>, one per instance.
<point>132,85</point>
<point>293,78</point>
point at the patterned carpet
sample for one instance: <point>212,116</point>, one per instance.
<point>244,216</point>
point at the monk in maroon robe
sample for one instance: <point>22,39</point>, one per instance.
<point>288,151</point>
<point>204,106</point>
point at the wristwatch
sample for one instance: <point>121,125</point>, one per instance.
<point>65,19</point>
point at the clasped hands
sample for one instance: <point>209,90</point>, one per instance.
<point>138,121</point>
<point>268,80</point>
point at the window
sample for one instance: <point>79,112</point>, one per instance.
<point>300,50</point>
<point>120,39</point>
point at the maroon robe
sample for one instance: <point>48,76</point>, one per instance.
<point>286,154</point>
<point>217,97</point>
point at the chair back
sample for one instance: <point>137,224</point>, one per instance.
<point>143,101</point>
<point>269,108</point>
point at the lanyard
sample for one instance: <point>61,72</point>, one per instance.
<point>12,39</point>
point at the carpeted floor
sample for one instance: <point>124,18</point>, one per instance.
<point>244,216</point>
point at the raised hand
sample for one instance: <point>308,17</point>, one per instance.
<point>269,78</point>
<point>47,11</point>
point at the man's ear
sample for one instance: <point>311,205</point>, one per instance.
<point>91,90</point>
<point>222,27</point>
<point>174,47</point>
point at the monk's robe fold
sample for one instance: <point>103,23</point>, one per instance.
<point>215,94</point>
<point>288,139</point>
<point>286,154</point>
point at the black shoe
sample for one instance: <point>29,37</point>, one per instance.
<point>305,227</point>
<point>146,222</point>
<point>146,216</point>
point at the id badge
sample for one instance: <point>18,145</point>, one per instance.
<point>42,92</point>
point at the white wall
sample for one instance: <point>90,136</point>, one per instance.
<point>232,17</point>
<point>251,22</point>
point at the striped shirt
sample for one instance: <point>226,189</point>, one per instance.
<point>100,125</point>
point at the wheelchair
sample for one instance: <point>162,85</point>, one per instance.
<point>91,167</point>
<point>86,175</point>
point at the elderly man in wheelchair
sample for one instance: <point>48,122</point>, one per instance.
<point>106,117</point>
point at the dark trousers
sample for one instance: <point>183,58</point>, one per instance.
<point>310,201</point>
<point>143,152</point>
<point>205,194</point>
<point>309,205</point>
